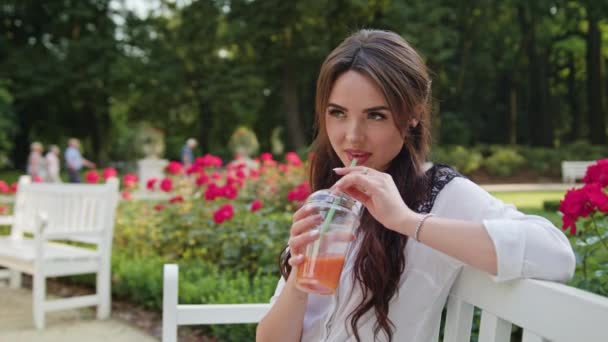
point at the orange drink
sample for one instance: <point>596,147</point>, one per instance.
<point>321,274</point>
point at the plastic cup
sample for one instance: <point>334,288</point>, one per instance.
<point>324,258</point>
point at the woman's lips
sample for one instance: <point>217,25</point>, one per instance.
<point>361,157</point>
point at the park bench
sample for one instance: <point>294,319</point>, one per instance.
<point>546,311</point>
<point>53,232</point>
<point>574,170</point>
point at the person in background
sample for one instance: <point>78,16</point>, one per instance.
<point>75,161</point>
<point>35,162</point>
<point>188,152</point>
<point>52,164</point>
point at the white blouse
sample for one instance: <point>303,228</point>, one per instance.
<point>527,246</point>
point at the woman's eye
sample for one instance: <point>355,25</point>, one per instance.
<point>336,113</point>
<point>376,116</point>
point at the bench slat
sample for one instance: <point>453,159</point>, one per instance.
<point>493,328</point>
<point>220,313</point>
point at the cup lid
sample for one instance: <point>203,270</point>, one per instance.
<point>342,200</point>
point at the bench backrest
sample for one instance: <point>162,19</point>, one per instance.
<point>546,311</point>
<point>573,170</point>
<point>77,212</point>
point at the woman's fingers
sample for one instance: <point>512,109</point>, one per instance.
<point>296,260</point>
<point>305,224</point>
<point>298,242</point>
<point>306,210</point>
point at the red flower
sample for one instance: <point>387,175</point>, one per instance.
<point>283,168</point>
<point>575,204</point>
<point>229,192</point>
<point>256,205</point>
<point>208,160</point>
<point>241,174</point>
<point>194,168</point>
<point>176,199</point>
<point>126,195</point>
<point>4,188</point>
<point>202,179</point>
<point>223,214</point>
<point>293,159</point>
<point>150,183</point>
<point>597,173</point>
<point>300,193</point>
<point>265,157</point>
<point>166,185</point>
<point>3,209</point>
<point>254,173</point>
<point>159,207</point>
<point>14,187</point>
<point>109,172</point>
<point>91,176</point>
<point>37,179</point>
<point>174,168</point>
<point>213,191</point>
<point>597,197</point>
<point>130,180</point>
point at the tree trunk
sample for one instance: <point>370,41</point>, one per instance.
<point>206,123</point>
<point>512,114</point>
<point>295,131</point>
<point>597,123</point>
<point>578,117</point>
<point>540,127</point>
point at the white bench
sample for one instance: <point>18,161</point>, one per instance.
<point>48,212</point>
<point>574,170</point>
<point>546,311</point>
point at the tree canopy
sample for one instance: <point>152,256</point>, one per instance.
<point>504,72</point>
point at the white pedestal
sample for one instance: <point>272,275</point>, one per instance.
<point>150,168</point>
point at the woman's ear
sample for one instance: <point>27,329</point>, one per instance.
<point>414,123</point>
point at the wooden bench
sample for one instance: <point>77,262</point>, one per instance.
<point>44,217</point>
<point>574,170</point>
<point>546,311</point>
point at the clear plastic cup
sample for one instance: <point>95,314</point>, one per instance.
<point>324,258</point>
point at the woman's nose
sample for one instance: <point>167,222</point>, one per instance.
<point>355,132</point>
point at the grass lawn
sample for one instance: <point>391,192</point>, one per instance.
<point>529,199</point>
<point>531,202</point>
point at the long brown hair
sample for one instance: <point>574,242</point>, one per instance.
<point>402,76</point>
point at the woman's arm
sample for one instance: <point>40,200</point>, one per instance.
<point>285,319</point>
<point>493,236</point>
<point>466,241</point>
<point>471,226</point>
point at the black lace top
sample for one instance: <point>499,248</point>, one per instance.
<point>440,175</point>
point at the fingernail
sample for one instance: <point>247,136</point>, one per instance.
<point>338,169</point>
<point>313,233</point>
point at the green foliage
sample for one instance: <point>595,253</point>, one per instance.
<point>504,162</point>
<point>200,282</point>
<point>7,124</point>
<point>185,231</point>
<point>551,205</point>
<point>463,159</point>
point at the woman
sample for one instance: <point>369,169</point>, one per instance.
<point>35,162</point>
<point>52,164</point>
<point>419,227</point>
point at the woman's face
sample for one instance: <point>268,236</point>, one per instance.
<point>360,124</point>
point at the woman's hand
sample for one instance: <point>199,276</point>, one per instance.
<point>378,193</point>
<point>301,234</point>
